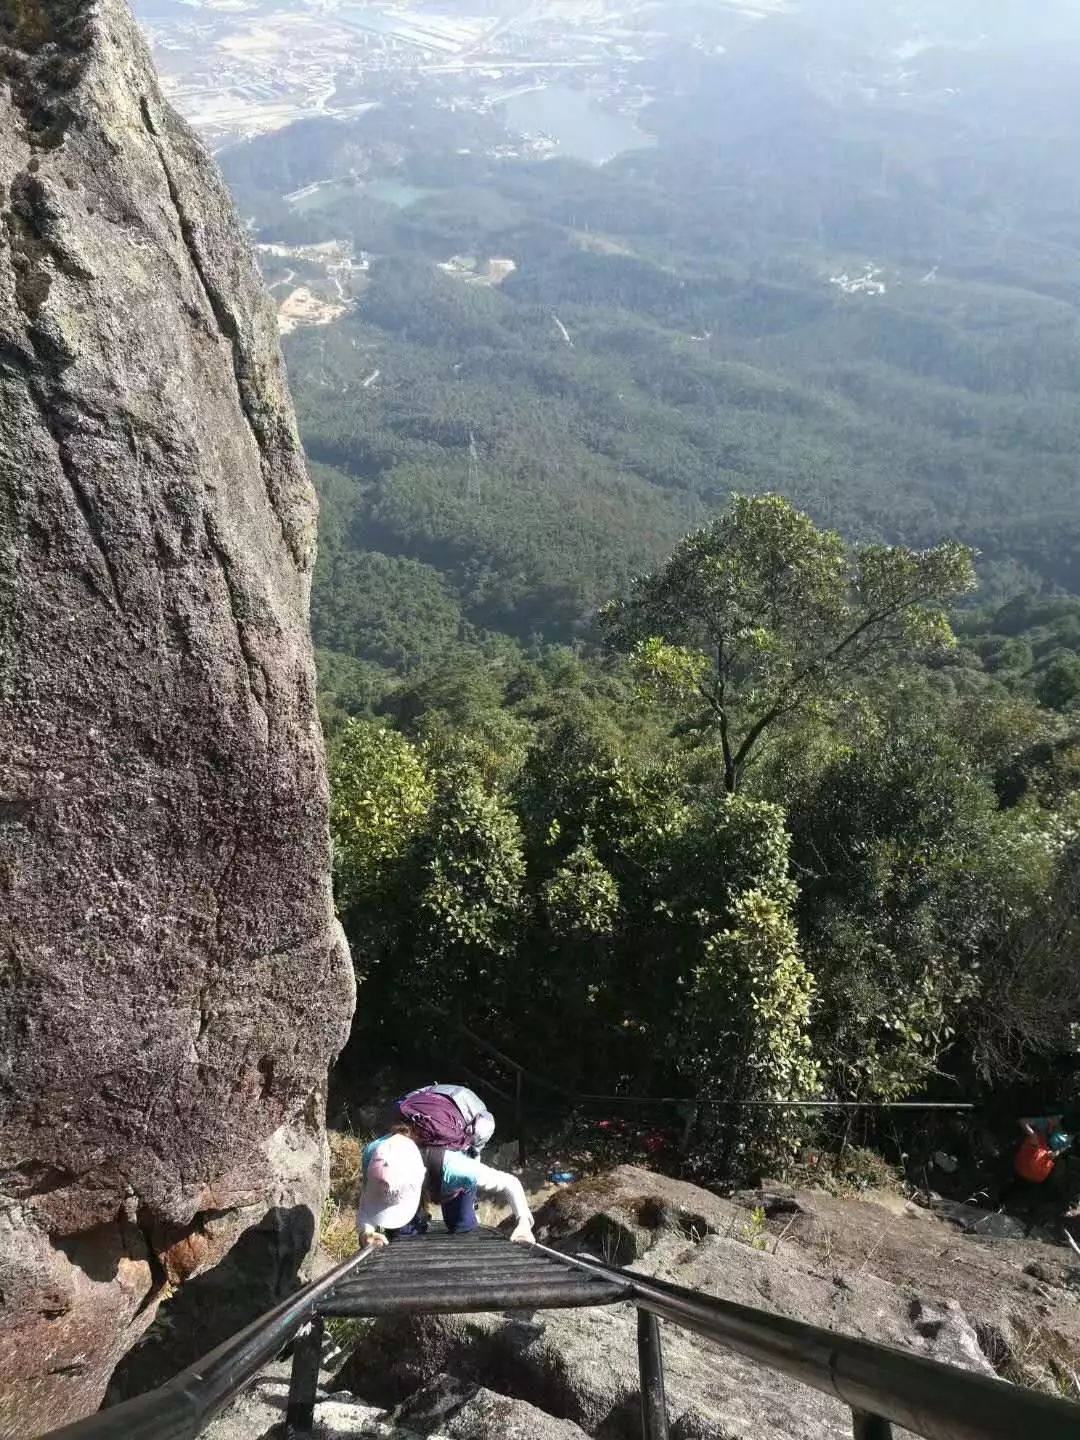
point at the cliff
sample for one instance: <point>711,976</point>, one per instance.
<point>174,984</point>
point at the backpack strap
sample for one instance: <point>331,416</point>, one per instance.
<point>434,1155</point>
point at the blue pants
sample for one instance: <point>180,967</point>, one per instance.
<point>458,1213</point>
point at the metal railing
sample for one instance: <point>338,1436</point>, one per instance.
<point>182,1409</point>
<point>881,1386</point>
<point>688,1107</point>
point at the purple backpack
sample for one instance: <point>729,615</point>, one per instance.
<point>436,1118</point>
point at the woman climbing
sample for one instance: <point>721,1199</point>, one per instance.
<point>450,1115</point>
<point>398,1176</point>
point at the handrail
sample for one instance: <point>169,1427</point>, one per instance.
<point>182,1408</point>
<point>705,1102</point>
<point>939,1402</point>
<point>882,1385</point>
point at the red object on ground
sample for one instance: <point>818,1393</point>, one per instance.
<point>1035,1160</point>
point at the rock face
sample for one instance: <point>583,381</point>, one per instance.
<point>580,1366</point>
<point>853,1266</point>
<point>620,1215</point>
<point>173,981</point>
<point>444,1410</point>
<point>458,1411</point>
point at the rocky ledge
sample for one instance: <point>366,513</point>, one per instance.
<point>989,1307</point>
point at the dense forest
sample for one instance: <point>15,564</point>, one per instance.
<point>882,899</point>
<point>658,811</point>
<point>675,330</point>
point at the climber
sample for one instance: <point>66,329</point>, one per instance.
<point>447,1115</point>
<point>398,1177</point>
<point>1043,1145</point>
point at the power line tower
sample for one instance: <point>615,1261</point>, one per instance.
<point>472,484</point>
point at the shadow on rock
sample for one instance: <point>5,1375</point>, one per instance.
<point>260,1269</point>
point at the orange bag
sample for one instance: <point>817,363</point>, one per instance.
<point>1035,1160</point>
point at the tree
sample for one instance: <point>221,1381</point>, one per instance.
<point>760,615</point>
<point>1028,1005</point>
<point>466,895</point>
<point>902,872</point>
<point>1059,684</point>
<point>581,900</point>
<point>1005,654</point>
<point>380,795</point>
<point>739,1021</point>
<point>748,1026</point>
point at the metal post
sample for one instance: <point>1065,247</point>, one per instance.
<point>871,1427</point>
<point>304,1383</point>
<point>689,1128</point>
<point>519,1123</point>
<point>654,1416</point>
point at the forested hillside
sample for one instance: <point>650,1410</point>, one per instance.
<point>868,304</point>
<point>794,840</point>
<point>846,272</point>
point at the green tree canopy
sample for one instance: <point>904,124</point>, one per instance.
<point>760,615</point>
<point>381,793</point>
<point>1059,684</point>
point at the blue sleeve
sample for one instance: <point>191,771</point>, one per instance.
<point>365,1159</point>
<point>459,1171</point>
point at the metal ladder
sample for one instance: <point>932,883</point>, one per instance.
<point>483,1271</point>
<point>442,1274</point>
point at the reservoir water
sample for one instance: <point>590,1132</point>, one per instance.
<point>396,192</point>
<point>583,128</point>
<point>387,191</point>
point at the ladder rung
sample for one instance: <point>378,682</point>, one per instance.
<point>465,1298</point>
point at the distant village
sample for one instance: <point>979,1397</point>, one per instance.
<point>237,68</point>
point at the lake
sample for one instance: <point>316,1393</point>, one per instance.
<point>396,192</point>
<point>388,192</point>
<point>584,130</point>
